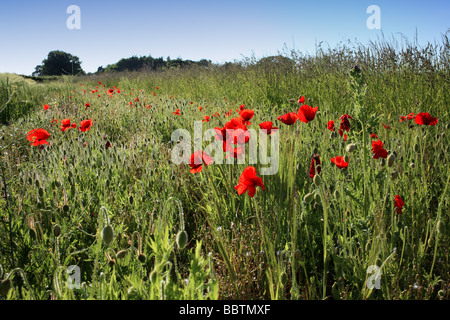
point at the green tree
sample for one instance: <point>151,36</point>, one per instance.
<point>59,63</point>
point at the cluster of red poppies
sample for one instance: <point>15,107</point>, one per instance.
<point>248,181</point>
<point>234,134</point>
<point>38,137</point>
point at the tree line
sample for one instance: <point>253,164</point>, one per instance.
<point>62,63</point>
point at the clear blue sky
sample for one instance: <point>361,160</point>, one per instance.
<point>216,30</point>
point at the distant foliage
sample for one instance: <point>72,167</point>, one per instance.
<point>135,63</point>
<point>59,63</point>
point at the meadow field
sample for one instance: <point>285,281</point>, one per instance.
<point>93,206</point>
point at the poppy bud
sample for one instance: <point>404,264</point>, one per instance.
<point>317,180</point>
<point>153,276</point>
<point>440,227</point>
<point>142,257</point>
<point>412,165</point>
<point>394,175</point>
<point>111,262</point>
<point>292,100</point>
<point>121,254</point>
<point>131,200</point>
<point>132,292</point>
<point>57,230</point>
<point>346,158</point>
<point>297,254</point>
<point>333,134</point>
<point>5,286</point>
<point>283,278</point>
<point>41,192</point>
<point>107,235</point>
<point>181,239</point>
<point>390,160</point>
<point>336,194</point>
<point>317,197</point>
<point>32,233</point>
<point>350,148</point>
<point>416,147</point>
<point>308,198</point>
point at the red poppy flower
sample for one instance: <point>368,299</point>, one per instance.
<point>38,137</point>
<point>46,106</point>
<point>239,130</point>
<point>340,162</point>
<point>398,204</point>
<point>306,113</point>
<point>404,118</point>
<point>197,159</point>
<point>157,88</point>
<point>177,112</point>
<point>386,126</point>
<point>232,150</point>
<point>54,121</point>
<point>85,125</point>
<point>268,126</point>
<point>246,115</point>
<point>424,118</point>
<point>249,181</point>
<point>65,124</point>
<point>378,150</point>
<point>87,105</point>
<point>345,125</point>
<point>200,108</point>
<point>330,125</point>
<point>241,107</point>
<point>107,145</point>
<point>373,136</point>
<point>110,91</point>
<point>315,161</point>
<point>205,119</point>
<point>301,99</point>
<point>288,118</point>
